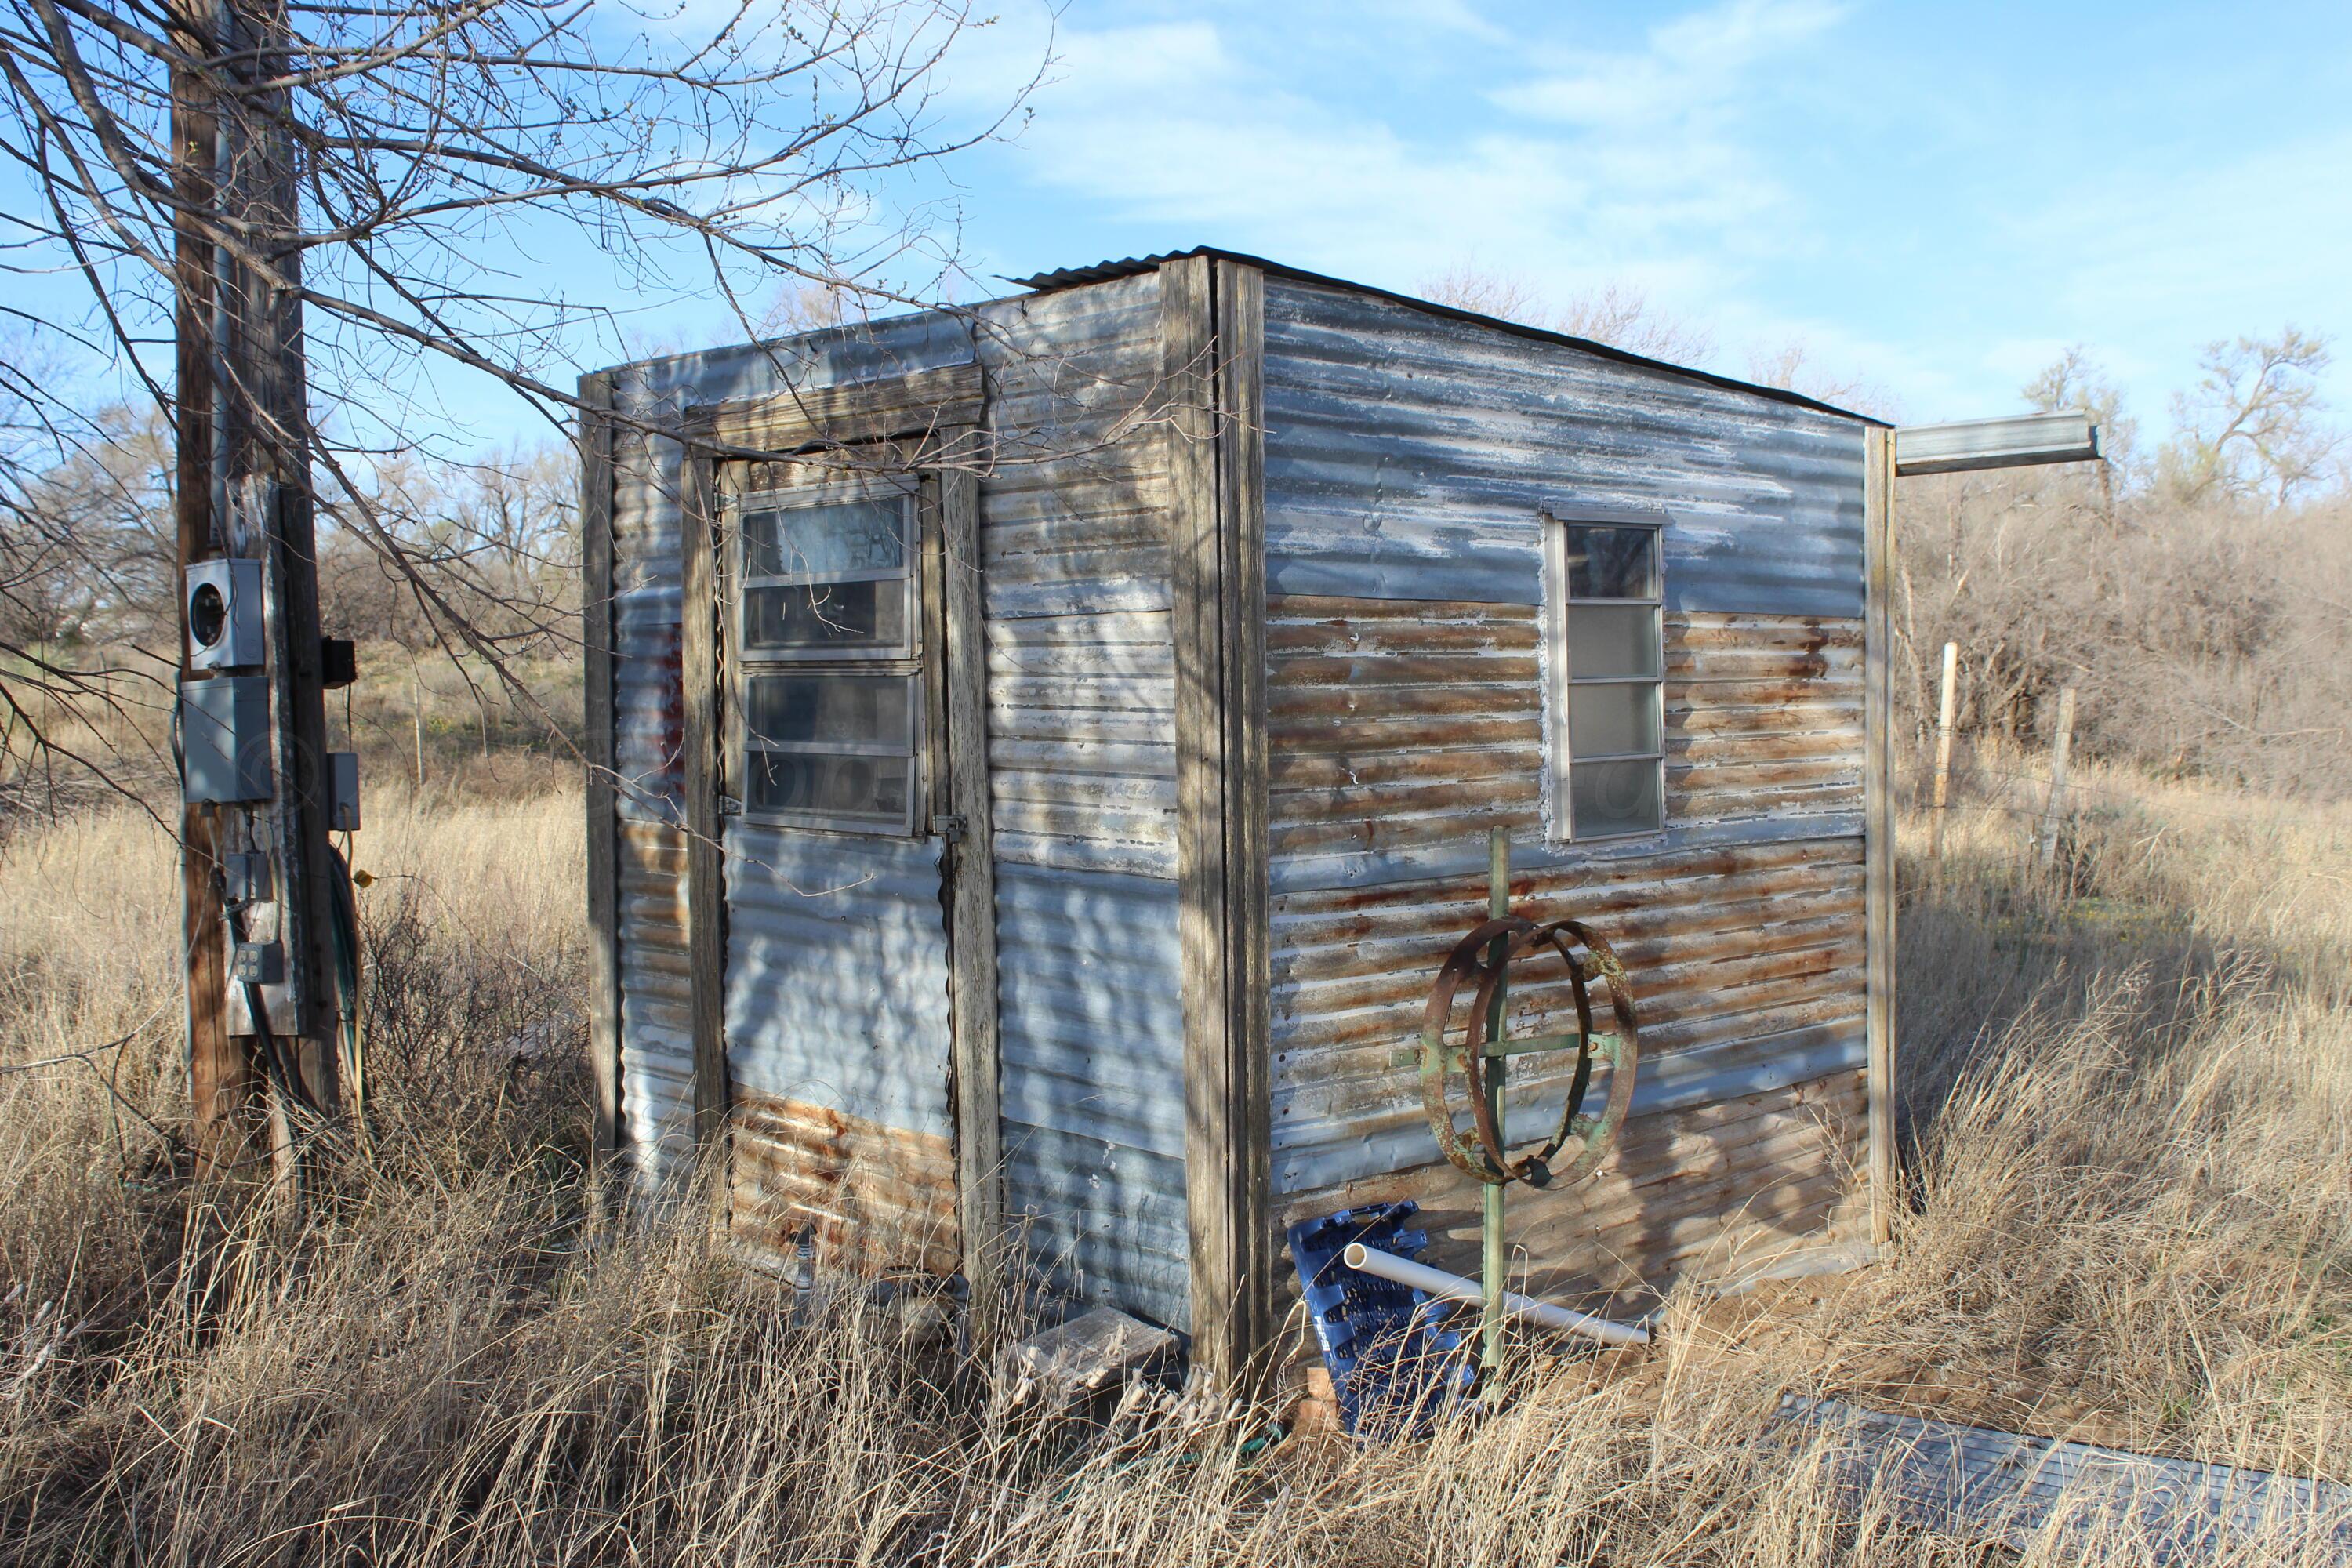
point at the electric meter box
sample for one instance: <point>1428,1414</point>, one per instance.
<point>226,629</point>
<point>342,791</point>
<point>224,739</point>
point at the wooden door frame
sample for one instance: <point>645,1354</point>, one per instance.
<point>931,419</point>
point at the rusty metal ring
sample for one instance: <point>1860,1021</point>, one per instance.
<point>1599,1134</point>
<point>1534,1169</point>
<point>1595,1135</point>
<point>1466,960</point>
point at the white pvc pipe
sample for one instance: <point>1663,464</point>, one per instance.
<point>1454,1288</point>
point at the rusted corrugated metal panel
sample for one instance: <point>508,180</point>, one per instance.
<point>1092,1040</point>
<point>656,1034</point>
<point>1398,731</point>
<point>837,1045</point>
<point>1408,454</point>
<point>1746,964</point>
<point>880,1196</point>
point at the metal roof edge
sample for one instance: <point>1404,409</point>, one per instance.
<point>1104,271</point>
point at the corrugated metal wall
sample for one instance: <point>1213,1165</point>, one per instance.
<point>1408,457</point>
<point>837,999</point>
<point>1082,778</point>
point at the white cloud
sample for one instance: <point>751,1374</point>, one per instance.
<point>1628,165</point>
<point>1693,67</point>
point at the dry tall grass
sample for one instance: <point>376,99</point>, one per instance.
<point>2127,1115</point>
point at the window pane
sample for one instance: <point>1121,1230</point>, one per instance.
<point>867,789</point>
<point>845,616</point>
<point>1605,719</point>
<point>1612,563</point>
<point>1612,639</point>
<point>1615,797</point>
<point>821,541</point>
<point>869,712</point>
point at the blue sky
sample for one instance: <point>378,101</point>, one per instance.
<point>1935,199</point>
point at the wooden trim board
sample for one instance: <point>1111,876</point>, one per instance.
<point>705,892</point>
<point>920,403</point>
<point>1211,326</point>
<point>1878,822</point>
<point>597,653</point>
<point>1240,301</point>
<point>971,918</point>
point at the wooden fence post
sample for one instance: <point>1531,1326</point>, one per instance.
<point>2061,744</point>
<point>1943,757</point>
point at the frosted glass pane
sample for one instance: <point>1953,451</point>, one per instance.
<point>1612,639</point>
<point>1615,797</point>
<point>1604,720</point>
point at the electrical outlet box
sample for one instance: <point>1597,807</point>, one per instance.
<point>342,791</point>
<point>259,963</point>
<point>226,629</point>
<point>224,740</point>
<point>246,877</point>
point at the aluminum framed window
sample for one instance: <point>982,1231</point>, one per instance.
<point>829,723</point>
<point>827,574</point>
<point>1604,662</point>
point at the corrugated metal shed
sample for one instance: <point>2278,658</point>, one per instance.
<point>1376,527</point>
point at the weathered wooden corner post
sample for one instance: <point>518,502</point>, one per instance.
<point>259,894</point>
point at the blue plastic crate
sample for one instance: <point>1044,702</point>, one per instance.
<point>1394,1364</point>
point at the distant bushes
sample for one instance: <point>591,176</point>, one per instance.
<point>2209,638</point>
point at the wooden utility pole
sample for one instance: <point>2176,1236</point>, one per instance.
<point>244,494</point>
<point>1943,757</point>
<point>2061,744</point>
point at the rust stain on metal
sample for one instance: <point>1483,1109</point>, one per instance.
<point>880,1197</point>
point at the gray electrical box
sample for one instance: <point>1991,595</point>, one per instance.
<point>224,739</point>
<point>342,791</point>
<point>259,963</point>
<point>226,629</point>
<point>244,876</point>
